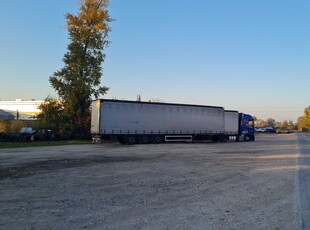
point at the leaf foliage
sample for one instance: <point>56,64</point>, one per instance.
<point>79,80</point>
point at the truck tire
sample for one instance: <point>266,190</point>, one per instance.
<point>13,137</point>
<point>215,138</point>
<point>223,139</point>
<point>144,140</point>
<point>122,140</point>
<point>36,137</point>
<point>6,137</point>
<point>27,138</point>
<point>130,140</point>
<point>157,139</point>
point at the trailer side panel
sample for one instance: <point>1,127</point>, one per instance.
<point>231,122</point>
<point>121,117</point>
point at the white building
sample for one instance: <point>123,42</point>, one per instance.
<point>25,108</point>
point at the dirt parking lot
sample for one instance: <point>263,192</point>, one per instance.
<point>249,185</point>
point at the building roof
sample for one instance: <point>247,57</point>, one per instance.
<point>6,115</point>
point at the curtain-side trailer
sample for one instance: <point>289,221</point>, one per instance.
<point>132,122</point>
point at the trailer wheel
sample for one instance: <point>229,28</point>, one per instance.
<point>223,139</point>
<point>157,140</point>
<point>144,140</point>
<point>121,140</point>
<point>130,140</point>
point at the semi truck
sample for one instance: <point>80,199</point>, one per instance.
<point>135,122</point>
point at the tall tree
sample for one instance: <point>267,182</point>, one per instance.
<point>292,125</point>
<point>138,97</point>
<point>79,80</point>
<point>271,122</point>
<point>285,124</point>
<point>260,123</point>
<point>307,117</point>
<point>301,123</point>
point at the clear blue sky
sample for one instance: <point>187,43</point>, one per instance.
<point>252,56</point>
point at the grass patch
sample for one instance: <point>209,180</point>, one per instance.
<point>41,143</point>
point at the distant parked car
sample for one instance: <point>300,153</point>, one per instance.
<point>260,130</point>
<point>25,134</point>
<point>26,130</point>
<point>284,131</point>
<point>270,130</point>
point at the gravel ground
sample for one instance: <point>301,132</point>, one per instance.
<point>250,185</point>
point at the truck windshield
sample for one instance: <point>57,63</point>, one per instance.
<point>248,121</point>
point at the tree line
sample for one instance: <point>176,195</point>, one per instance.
<point>302,124</point>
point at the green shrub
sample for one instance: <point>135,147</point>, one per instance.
<point>14,126</point>
<point>4,126</point>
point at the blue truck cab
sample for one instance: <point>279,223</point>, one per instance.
<point>246,127</point>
